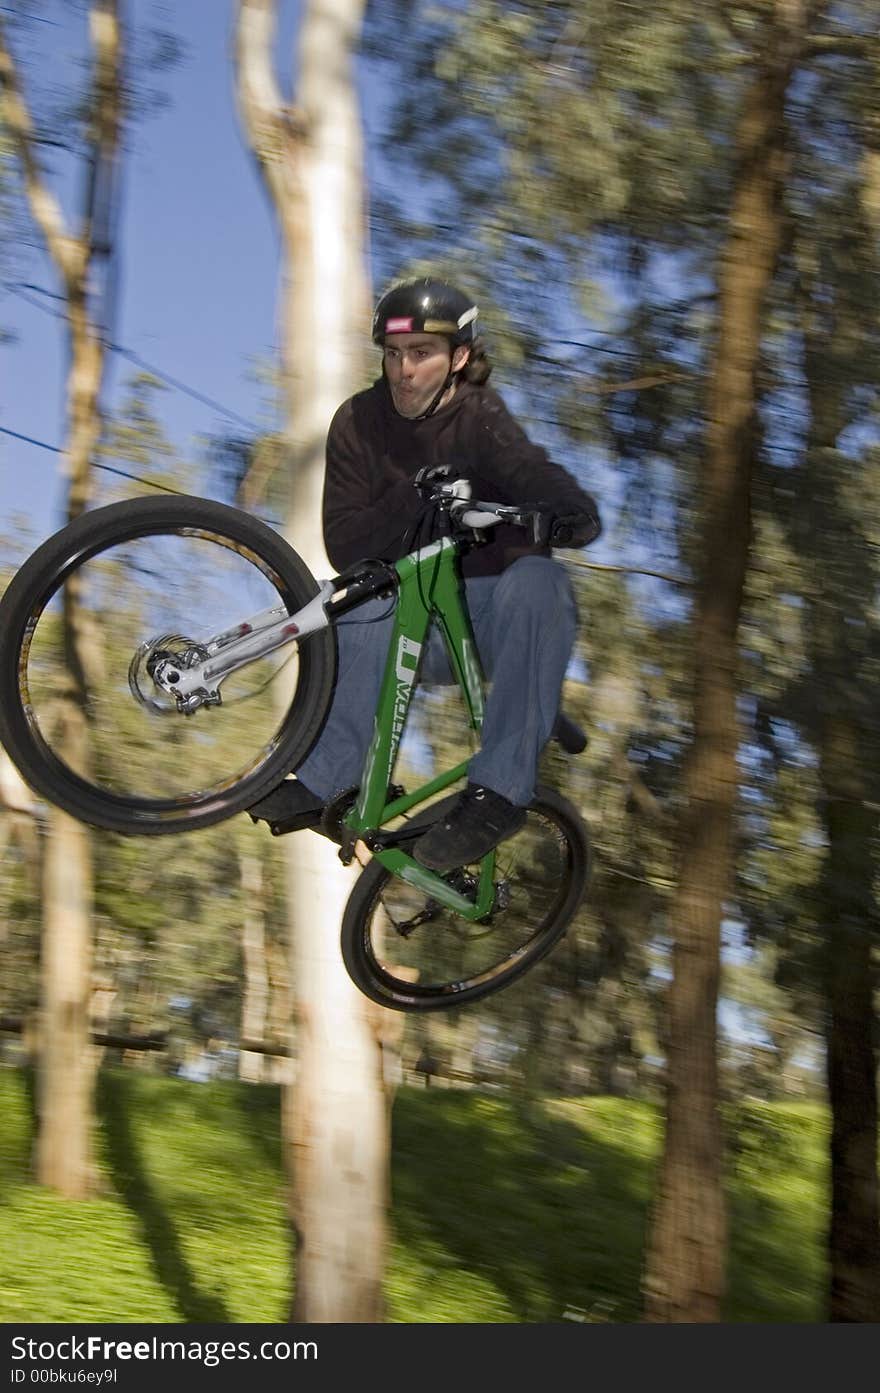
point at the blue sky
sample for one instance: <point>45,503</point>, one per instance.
<point>198,273</point>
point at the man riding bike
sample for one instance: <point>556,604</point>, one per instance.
<point>432,407</point>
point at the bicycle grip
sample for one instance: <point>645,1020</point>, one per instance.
<point>561,533</point>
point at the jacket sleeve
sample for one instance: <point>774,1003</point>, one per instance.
<point>524,470</point>
<point>355,524</point>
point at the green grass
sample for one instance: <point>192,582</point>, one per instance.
<point>499,1214</point>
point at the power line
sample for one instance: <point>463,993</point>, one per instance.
<point>29,439</point>
<point>627,570</point>
<point>276,522</point>
<point>111,469</point>
<point>182,387</point>
<point>108,468</point>
<point>25,14</point>
<point>20,288</point>
<point>151,483</point>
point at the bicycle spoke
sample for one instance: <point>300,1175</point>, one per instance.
<point>109,615</point>
<point>183,587</point>
<point>412,934</point>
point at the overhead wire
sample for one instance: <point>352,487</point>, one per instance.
<point>27,291</point>
<point>21,289</point>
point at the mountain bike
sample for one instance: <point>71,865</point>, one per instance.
<point>206,653</point>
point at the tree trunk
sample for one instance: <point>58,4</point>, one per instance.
<point>336,1113</point>
<point>336,1116</point>
<point>18,820</point>
<point>280,1069</point>
<point>67,1060</point>
<point>255,993</point>
<point>851,823</point>
<point>685,1258</point>
<point>843,729</point>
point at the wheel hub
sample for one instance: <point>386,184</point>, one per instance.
<point>161,660</point>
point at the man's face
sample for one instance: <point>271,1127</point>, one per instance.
<point>416,366</point>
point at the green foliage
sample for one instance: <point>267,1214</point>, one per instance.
<point>190,1225</point>
<point>58,83</point>
<point>134,433</point>
<point>191,1222</point>
<point>584,146</point>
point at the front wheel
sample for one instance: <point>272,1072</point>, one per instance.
<point>407,952</point>
<point>80,623</point>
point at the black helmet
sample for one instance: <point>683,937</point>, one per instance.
<point>426,307</point>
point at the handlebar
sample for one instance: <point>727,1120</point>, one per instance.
<point>479,516</point>
<point>438,485</point>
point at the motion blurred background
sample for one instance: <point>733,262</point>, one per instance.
<point>669,218</point>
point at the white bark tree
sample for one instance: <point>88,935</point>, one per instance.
<point>19,819</point>
<point>336,1112</point>
<point>67,1061</point>
<point>255,993</point>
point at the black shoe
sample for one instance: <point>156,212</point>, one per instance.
<point>479,821</point>
<point>288,808</point>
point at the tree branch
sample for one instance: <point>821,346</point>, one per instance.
<point>46,210</point>
<point>15,796</point>
<point>273,129</point>
<point>106,119</point>
<point>851,45</point>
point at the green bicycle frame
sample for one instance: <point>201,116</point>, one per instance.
<point>429,588</point>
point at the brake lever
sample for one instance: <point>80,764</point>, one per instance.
<point>458,491</point>
<point>429,474</point>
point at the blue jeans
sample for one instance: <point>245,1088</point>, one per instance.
<point>524,623</point>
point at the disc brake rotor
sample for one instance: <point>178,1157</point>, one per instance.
<point>155,656</point>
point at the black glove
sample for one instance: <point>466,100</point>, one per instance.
<point>573,529</point>
<point>434,474</point>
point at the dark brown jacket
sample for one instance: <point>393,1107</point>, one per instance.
<point>373,454</point>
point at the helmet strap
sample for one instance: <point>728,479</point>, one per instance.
<point>450,379</point>
<point>444,388</point>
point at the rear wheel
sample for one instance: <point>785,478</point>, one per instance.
<point>407,952</point>
<point>82,626</point>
